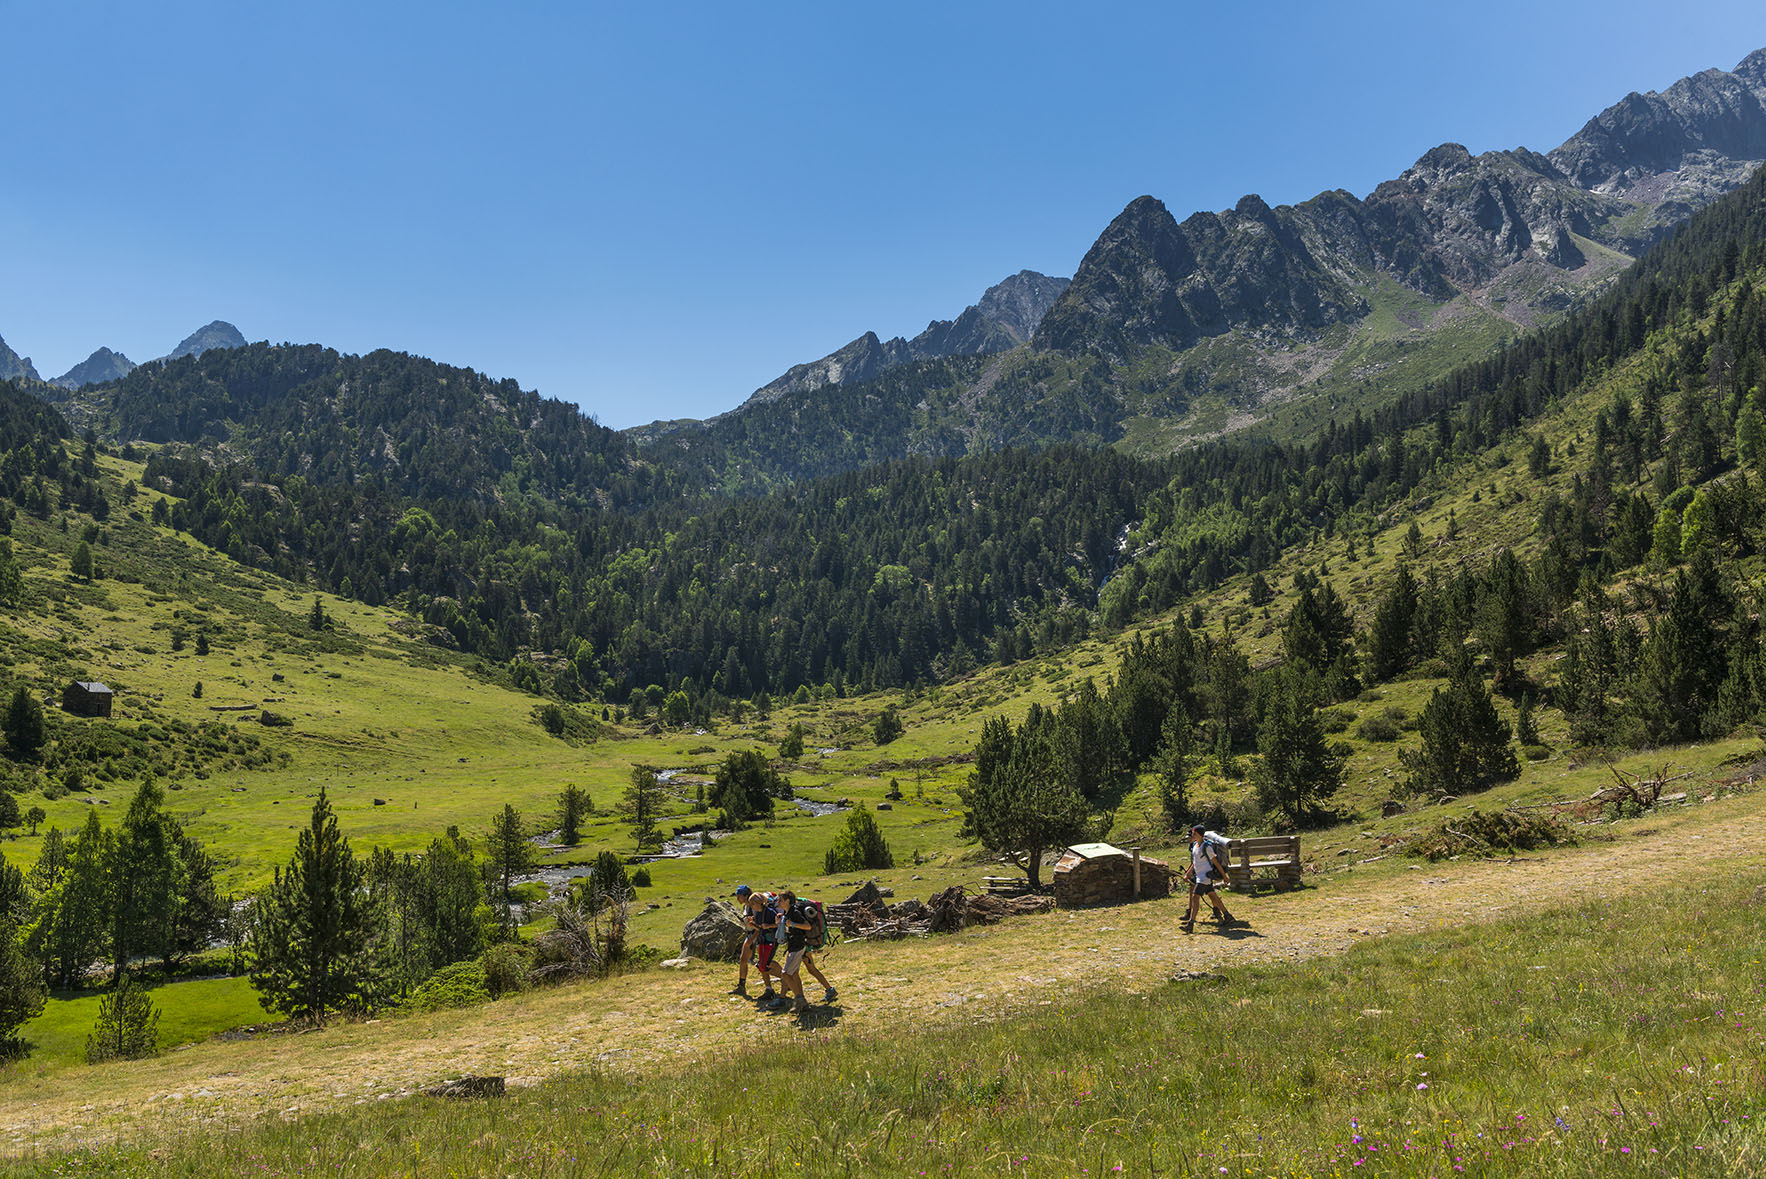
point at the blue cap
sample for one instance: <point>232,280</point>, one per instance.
<point>743,890</point>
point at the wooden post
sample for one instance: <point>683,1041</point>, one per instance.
<point>1137,873</point>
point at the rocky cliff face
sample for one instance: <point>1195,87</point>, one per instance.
<point>14,367</point>
<point>100,368</point>
<point>1452,223</point>
<point>1004,317</point>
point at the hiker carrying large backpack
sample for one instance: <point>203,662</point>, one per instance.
<point>1208,857</point>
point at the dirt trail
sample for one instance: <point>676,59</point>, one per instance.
<point>666,1016</point>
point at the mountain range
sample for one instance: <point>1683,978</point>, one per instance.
<point>1171,332</point>
<point>105,367</point>
<point>1174,332</point>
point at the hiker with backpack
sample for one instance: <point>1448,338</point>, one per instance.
<point>753,905</point>
<point>800,919</point>
<point>763,917</point>
<point>816,939</point>
<point>1207,875</point>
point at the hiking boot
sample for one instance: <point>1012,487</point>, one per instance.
<point>767,996</point>
<point>828,995</point>
<point>740,988</point>
<point>1227,921</point>
<point>1187,926</point>
<point>800,1008</point>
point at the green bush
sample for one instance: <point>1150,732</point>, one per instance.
<point>507,969</point>
<point>859,846</point>
<point>1377,728</point>
<point>461,984</point>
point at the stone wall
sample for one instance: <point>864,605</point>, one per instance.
<point>1107,880</point>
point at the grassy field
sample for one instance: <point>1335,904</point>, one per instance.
<point>1624,1033</point>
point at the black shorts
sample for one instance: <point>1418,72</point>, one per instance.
<point>1201,888</point>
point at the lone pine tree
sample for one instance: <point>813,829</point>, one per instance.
<point>314,927</point>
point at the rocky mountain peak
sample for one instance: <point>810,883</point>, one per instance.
<point>1018,303</point>
<point>14,367</point>
<point>1004,317</point>
<point>218,334</point>
<point>1752,69</point>
<point>1643,136</point>
<point>100,368</point>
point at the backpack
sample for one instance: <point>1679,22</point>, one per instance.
<point>1217,849</point>
<point>817,936</point>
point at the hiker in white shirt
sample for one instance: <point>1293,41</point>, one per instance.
<point>1207,875</point>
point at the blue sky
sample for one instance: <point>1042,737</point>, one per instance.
<point>650,210</point>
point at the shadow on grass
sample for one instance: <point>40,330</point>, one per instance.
<point>819,1018</point>
<point>1237,933</point>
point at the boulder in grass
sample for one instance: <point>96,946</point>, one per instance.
<point>868,894</point>
<point>716,934</point>
<point>468,1087</point>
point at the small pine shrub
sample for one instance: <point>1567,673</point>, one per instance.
<point>461,984</point>
<point>1377,728</point>
<point>860,845</point>
<point>127,1027</point>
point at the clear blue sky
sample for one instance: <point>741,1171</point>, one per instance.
<point>650,210</point>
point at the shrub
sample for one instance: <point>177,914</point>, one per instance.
<point>460,984</point>
<point>641,878</point>
<point>127,1027</point>
<point>1377,728</point>
<point>888,726</point>
<point>275,720</point>
<point>506,969</point>
<point>860,845</point>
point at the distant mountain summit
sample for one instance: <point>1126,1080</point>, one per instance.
<point>100,368</point>
<point>218,334</point>
<point>1519,233</point>
<point>1005,316</point>
<point>14,367</point>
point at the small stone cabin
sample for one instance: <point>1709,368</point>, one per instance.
<point>1100,874</point>
<point>86,698</point>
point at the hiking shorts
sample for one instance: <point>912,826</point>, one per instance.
<point>1202,888</point>
<point>793,960</point>
<point>766,955</point>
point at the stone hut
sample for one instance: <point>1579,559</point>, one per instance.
<point>1100,874</point>
<point>86,698</point>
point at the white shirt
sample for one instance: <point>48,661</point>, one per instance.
<point>1204,867</point>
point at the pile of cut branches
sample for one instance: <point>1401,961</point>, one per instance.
<point>1493,834</point>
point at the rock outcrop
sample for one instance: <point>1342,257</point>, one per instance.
<point>716,934</point>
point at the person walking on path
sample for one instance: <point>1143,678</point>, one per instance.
<point>746,897</point>
<point>1207,875</point>
<point>767,914</point>
<point>795,919</point>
